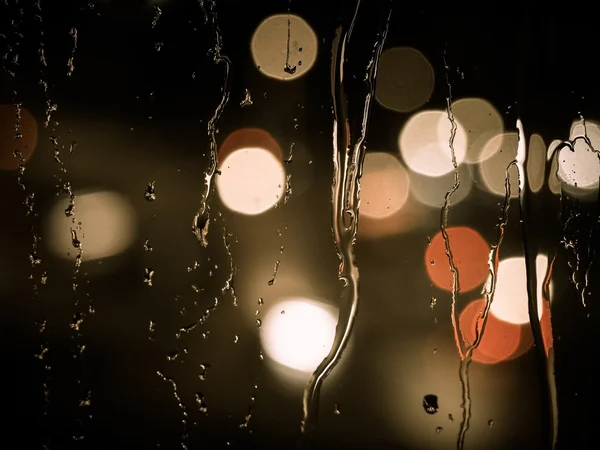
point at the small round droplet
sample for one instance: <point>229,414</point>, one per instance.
<point>430,404</point>
<point>438,430</point>
<point>450,417</point>
<point>491,423</point>
<point>336,409</point>
<point>432,261</point>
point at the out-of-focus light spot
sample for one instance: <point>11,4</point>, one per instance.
<point>497,155</point>
<point>510,302</point>
<point>384,185</point>
<point>500,339</point>
<point>552,156</point>
<point>26,134</point>
<point>470,256</point>
<point>298,333</point>
<point>272,48</point>
<point>481,121</point>
<point>405,79</point>
<point>536,162</point>
<point>249,138</point>
<point>107,226</point>
<point>412,215</point>
<point>251,182</point>
<point>425,143</point>
<point>581,168</point>
<point>432,191</point>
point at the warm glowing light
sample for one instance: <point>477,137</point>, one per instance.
<point>510,302</point>
<point>432,191</point>
<point>249,138</point>
<point>581,168</point>
<point>425,143</point>
<point>251,182</point>
<point>470,256</point>
<point>23,140</point>
<point>497,154</point>
<point>107,226</point>
<point>499,340</point>
<point>298,333</point>
<point>272,49</point>
<point>384,185</point>
<point>482,121</point>
<point>405,79</point>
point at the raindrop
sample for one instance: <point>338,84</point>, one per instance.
<point>247,99</point>
<point>202,406</point>
<point>261,301</point>
<point>450,418</point>
<point>150,194</point>
<point>432,262</point>
<point>258,323</point>
<point>148,274</point>
<point>147,246</point>
<point>438,430</point>
<point>203,371</point>
<point>236,339</point>
<point>491,423</point>
<point>336,409</point>
<point>432,302</point>
<point>430,404</point>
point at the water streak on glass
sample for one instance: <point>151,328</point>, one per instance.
<point>445,212</point>
<point>182,407</point>
<point>201,220</point>
<point>489,291</point>
<point>348,155</point>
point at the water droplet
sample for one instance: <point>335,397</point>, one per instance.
<point>432,302</point>
<point>247,101</point>
<point>261,301</point>
<point>491,423</point>
<point>432,262</point>
<point>258,323</point>
<point>438,430</point>
<point>150,193</point>
<point>201,404</point>
<point>236,339</point>
<point>203,371</point>
<point>336,409</point>
<point>147,246</point>
<point>148,274</point>
<point>450,418</point>
<point>430,404</point>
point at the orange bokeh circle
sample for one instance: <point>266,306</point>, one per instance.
<point>500,339</point>
<point>470,256</point>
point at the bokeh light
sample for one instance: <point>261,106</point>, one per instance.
<point>28,130</point>
<point>552,156</point>
<point>470,256</point>
<point>249,138</point>
<point>481,120</point>
<point>298,333</point>
<point>251,181</point>
<point>271,48</point>
<point>581,168</point>
<point>500,339</point>
<point>510,302</point>
<point>497,154</point>
<point>108,226</point>
<point>425,143</point>
<point>384,185</point>
<point>536,162</point>
<point>432,191</point>
<point>405,79</point>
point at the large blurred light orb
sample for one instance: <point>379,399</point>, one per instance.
<point>510,302</point>
<point>298,333</point>
<point>581,168</point>
<point>107,226</point>
<point>270,49</point>
<point>24,139</point>
<point>425,143</point>
<point>383,186</point>
<point>251,182</point>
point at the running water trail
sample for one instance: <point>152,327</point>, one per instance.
<point>348,155</point>
<point>201,219</point>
